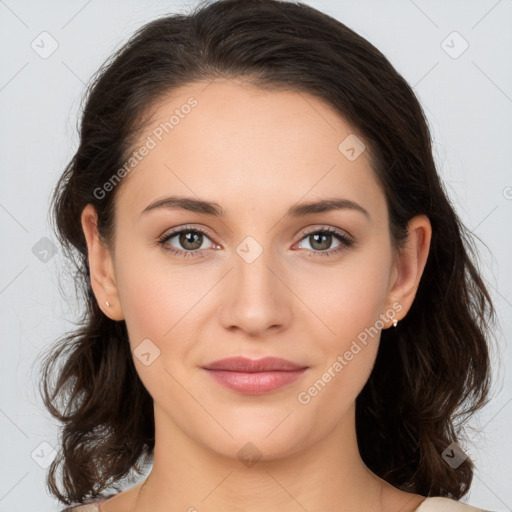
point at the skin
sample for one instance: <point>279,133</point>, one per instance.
<point>255,153</point>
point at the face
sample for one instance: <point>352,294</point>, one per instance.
<point>262,279</point>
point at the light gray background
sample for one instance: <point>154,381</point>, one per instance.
<point>468,101</point>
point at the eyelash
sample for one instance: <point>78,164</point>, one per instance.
<point>345,242</point>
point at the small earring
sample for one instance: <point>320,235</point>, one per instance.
<point>395,322</point>
<point>107,303</point>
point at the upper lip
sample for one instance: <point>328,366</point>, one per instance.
<point>242,364</point>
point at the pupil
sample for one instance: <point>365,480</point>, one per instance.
<point>190,237</point>
<point>327,238</point>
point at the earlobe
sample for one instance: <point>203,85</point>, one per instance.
<point>410,263</point>
<point>101,268</point>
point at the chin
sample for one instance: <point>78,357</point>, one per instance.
<point>267,440</point>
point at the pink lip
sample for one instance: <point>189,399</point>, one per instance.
<point>254,376</point>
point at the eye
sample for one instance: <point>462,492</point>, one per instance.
<point>190,239</point>
<point>320,241</point>
<point>190,242</point>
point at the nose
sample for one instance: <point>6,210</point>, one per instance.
<point>256,298</point>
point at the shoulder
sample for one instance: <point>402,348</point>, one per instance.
<point>439,504</point>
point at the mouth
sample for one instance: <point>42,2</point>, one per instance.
<point>254,376</point>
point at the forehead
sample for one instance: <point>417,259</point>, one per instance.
<point>246,146</point>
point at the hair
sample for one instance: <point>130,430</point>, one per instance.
<point>431,373</point>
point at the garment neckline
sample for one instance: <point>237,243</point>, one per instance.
<point>418,508</point>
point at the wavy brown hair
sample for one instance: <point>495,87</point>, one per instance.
<point>431,373</point>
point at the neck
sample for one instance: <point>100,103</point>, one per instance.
<point>327,475</point>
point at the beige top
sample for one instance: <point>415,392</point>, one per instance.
<point>446,505</point>
<point>429,505</point>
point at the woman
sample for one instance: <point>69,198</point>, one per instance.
<point>282,308</point>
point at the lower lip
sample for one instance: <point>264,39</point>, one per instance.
<point>255,383</point>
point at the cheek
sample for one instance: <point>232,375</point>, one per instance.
<point>141,300</point>
<point>155,294</point>
<point>156,307</point>
<point>350,309</point>
<point>350,298</point>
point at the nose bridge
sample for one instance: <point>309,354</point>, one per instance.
<point>252,266</point>
<point>256,299</point>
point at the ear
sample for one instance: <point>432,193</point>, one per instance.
<point>409,264</point>
<point>101,268</point>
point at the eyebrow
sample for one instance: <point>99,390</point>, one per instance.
<point>212,208</point>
